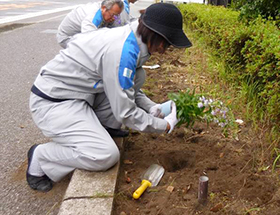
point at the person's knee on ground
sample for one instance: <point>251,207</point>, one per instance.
<point>102,162</point>
<point>88,157</point>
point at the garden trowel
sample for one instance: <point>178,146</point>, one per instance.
<point>150,178</point>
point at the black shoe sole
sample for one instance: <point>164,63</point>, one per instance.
<point>42,183</point>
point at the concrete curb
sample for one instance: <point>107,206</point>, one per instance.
<point>91,193</point>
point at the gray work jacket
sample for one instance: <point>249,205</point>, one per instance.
<point>75,21</point>
<point>103,61</point>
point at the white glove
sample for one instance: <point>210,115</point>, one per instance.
<point>156,111</point>
<point>172,117</point>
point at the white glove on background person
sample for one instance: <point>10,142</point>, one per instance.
<point>156,111</point>
<point>172,117</point>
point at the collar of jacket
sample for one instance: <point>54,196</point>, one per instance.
<point>144,53</point>
<point>126,6</point>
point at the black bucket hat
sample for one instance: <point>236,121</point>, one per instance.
<point>166,20</point>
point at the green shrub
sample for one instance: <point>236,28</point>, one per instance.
<point>250,51</point>
<point>251,9</point>
<point>197,17</point>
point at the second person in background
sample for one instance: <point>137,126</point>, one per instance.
<point>125,16</point>
<point>87,17</point>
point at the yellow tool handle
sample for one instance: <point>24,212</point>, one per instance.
<point>144,185</point>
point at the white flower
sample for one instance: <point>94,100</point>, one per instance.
<point>206,103</point>
<point>202,99</point>
<point>200,105</point>
<point>216,120</point>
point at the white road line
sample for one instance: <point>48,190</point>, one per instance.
<point>45,20</point>
<point>31,15</point>
<point>14,13</point>
<point>49,31</point>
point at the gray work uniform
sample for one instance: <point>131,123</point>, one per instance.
<point>93,21</point>
<point>98,74</point>
<point>72,23</point>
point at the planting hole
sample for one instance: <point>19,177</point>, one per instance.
<point>176,160</point>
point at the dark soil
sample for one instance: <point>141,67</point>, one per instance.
<point>236,183</point>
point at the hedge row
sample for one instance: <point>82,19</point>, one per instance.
<point>250,51</point>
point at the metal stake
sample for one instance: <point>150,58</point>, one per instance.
<point>203,189</point>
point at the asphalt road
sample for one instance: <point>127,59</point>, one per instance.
<point>23,51</point>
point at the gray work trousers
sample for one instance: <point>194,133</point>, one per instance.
<point>78,138</point>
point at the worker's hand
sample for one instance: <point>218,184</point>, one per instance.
<point>172,117</point>
<point>156,111</point>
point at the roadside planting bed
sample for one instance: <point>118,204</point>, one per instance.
<point>236,184</point>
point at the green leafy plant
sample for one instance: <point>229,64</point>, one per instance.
<point>187,110</point>
<point>192,107</point>
<point>250,9</point>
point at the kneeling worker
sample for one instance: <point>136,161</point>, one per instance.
<point>96,80</point>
